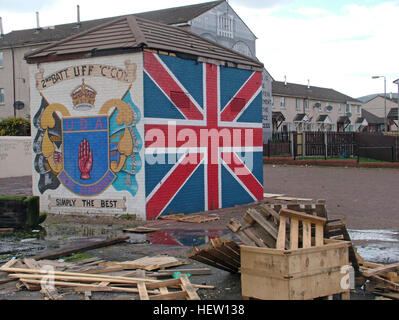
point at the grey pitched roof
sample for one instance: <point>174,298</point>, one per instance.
<point>372,118</point>
<point>370,97</point>
<point>393,114</point>
<point>299,117</point>
<point>278,116</point>
<point>322,118</point>
<point>168,16</point>
<point>314,93</point>
<point>129,33</point>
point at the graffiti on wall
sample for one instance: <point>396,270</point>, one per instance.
<point>88,154</point>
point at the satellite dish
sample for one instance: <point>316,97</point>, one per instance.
<point>19,105</point>
<point>329,108</point>
<point>317,105</point>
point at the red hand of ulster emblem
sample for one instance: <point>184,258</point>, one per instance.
<point>85,160</point>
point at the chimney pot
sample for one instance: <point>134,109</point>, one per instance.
<point>78,13</point>
<point>37,21</point>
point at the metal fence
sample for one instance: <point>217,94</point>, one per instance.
<point>333,145</point>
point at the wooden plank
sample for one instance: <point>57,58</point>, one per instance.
<point>307,234</point>
<point>141,230</point>
<point>50,293</point>
<point>142,291</point>
<point>378,270</point>
<point>251,235</point>
<point>32,264</point>
<point>386,283</point>
<point>198,219</point>
<point>9,264</point>
<point>281,234</point>
<point>170,296</point>
<point>234,225</point>
<point>319,235</point>
<point>210,262</point>
<point>74,274</point>
<point>193,272</point>
<point>302,216</point>
<point>77,249</point>
<point>294,228</point>
<point>269,228</point>
<point>148,263</point>
<point>172,216</point>
<point>186,286</point>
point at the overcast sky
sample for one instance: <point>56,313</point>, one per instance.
<point>338,44</point>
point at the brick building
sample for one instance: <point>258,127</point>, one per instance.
<point>215,20</point>
<point>137,117</point>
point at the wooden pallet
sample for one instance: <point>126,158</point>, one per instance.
<point>259,227</point>
<point>294,219</point>
<point>221,254</point>
<point>336,229</point>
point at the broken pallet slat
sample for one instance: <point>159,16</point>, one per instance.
<point>378,270</point>
<point>188,288</point>
<point>77,249</point>
<point>197,219</point>
<point>141,230</point>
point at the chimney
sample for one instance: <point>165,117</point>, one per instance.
<point>1,28</point>
<point>390,96</point>
<point>37,21</point>
<point>78,13</point>
<point>308,84</point>
<point>285,80</point>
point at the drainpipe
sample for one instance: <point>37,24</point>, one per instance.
<point>13,80</point>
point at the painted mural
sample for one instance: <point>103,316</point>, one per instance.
<point>203,136</point>
<point>87,154</point>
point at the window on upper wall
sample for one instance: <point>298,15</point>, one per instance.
<point>348,108</point>
<point>282,102</point>
<point>298,104</point>
<point>1,60</point>
<point>307,104</point>
<point>358,109</point>
<point>225,25</point>
<point>1,96</point>
<point>340,108</point>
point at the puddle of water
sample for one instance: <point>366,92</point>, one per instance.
<point>186,238</point>
<point>374,235</point>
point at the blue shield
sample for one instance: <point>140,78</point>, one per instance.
<point>86,155</point>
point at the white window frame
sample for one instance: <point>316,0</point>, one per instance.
<point>307,104</point>
<point>298,104</point>
<point>283,103</point>
<point>225,25</point>
<point>347,108</point>
<point>358,110</point>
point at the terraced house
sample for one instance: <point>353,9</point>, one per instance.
<point>216,21</point>
<point>298,107</point>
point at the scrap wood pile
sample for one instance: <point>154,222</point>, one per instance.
<point>94,275</point>
<point>222,254</point>
<point>261,227</point>
<point>380,279</point>
<point>56,278</point>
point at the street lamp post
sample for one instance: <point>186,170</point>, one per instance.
<point>385,100</point>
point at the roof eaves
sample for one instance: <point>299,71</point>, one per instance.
<point>31,54</point>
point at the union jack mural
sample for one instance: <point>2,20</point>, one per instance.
<point>203,128</point>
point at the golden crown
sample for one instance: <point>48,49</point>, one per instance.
<point>83,97</point>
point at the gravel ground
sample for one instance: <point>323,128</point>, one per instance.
<point>366,198</point>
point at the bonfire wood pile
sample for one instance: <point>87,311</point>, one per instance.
<point>139,278</point>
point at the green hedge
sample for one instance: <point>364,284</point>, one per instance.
<point>14,127</point>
